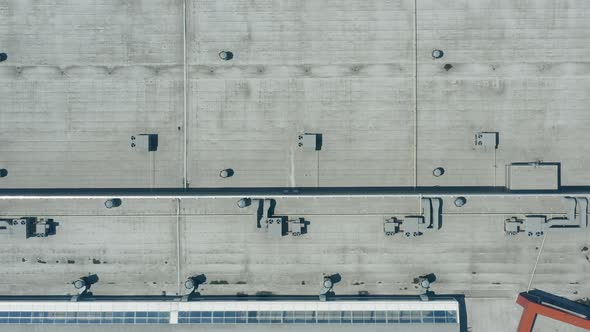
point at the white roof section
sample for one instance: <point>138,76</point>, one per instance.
<point>106,306</point>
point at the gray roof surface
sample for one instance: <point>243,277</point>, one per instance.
<point>83,77</point>
<point>145,247</point>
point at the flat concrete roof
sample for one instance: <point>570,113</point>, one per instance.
<point>150,246</point>
<point>83,77</point>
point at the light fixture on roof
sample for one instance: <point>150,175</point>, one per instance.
<point>439,171</point>
<point>83,285</point>
<point>425,281</point>
<point>460,201</point>
<point>112,203</point>
<point>437,54</point>
<point>328,284</point>
<point>226,55</point>
<point>80,285</point>
<point>191,285</point>
<point>226,173</point>
<point>244,202</point>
